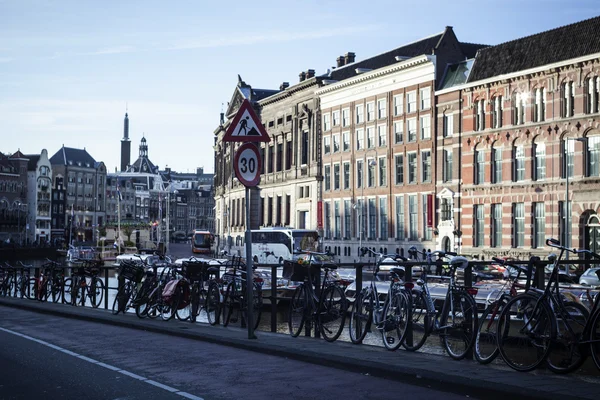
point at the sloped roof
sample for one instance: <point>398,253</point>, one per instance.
<point>143,164</point>
<point>456,74</point>
<point>70,156</point>
<point>33,161</point>
<point>18,154</point>
<point>560,44</point>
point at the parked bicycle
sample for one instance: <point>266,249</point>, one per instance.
<point>541,325</point>
<point>389,316</point>
<point>325,309</point>
<point>130,275</point>
<point>456,322</point>
<point>234,305</point>
<point>84,284</point>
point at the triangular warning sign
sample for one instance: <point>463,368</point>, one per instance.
<point>246,126</point>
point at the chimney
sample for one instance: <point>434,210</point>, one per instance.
<point>340,61</point>
<point>310,73</point>
<point>349,58</point>
<point>302,76</point>
<point>284,86</point>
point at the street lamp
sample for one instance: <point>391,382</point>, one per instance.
<point>567,211</point>
<point>168,217</point>
<point>361,222</point>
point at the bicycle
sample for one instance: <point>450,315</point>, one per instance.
<point>390,316</point>
<point>84,284</point>
<point>456,322</point>
<point>486,348</point>
<point>131,274</point>
<point>541,325</point>
<point>202,274</point>
<point>326,310</point>
<point>234,297</point>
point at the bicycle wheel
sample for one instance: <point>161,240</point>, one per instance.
<point>196,298</point>
<point>43,292</point>
<point>567,354</point>
<point>228,303</point>
<point>525,332</point>
<point>96,292</point>
<point>121,299</point>
<point>257,305</point>
<point>332,313</point>
<point>56,289</point>
<point>360,317</point>
<point>212,304</point>
<point>486,347</point>
<point>297,313</point>
<point>461,325</point>
<point>595,338</point>
<point>419,326</point>
<point>181,304</point>
<point>395,321</point>
<point>66,291</point>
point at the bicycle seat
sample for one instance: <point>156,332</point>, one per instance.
<point>399,272</point>
<point>213,270</point>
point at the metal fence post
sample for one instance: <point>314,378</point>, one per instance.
<point>106,288</point>
<point>273,298</point>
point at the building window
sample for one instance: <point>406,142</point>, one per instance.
<point>359,173</point>
<point>540,161</point>
<point>565,229</point>
<point>425,96</point>
<point>327,220</point>
<point>412,168</point>
<point>567,99</point>
<point>370,137</point>
<point>381,108</point>
<point>398,105</point>
<point>478,226</point>
<point>346,117</point>
<point>327,178</point>
<point>398,132</point>
<point>336,143</point>
<point>304,160</point>
<point>519,162</point>
<point>426,166</point>
<point>399,158</point>
<point>448,125</point>
<point>413,217</point>
<point>479,167</point>
<point>497,225</point>
<point>383,219</point>
<point>446,209</point>
<point>360,114</point>
<point>497,110</point>
<point>412,129</point>
<point>539,226</point>
<point>279,157</point>
<point>346,175</point>
<point>372,219</point>
<point>518,108</point>
<point>347,219</point>
<point>370,111</point>
<point>288,155</point>
<point>346,141</point>
<point>336,176</point>
<point>382,135</point>
<point>335,116</point>
<point>337,220</point>
<point>270,158</point>
<point>327,144</point>
<point>497,164</point>
<point>518,224</point>
<point>480,115</point>
<point>382,172</point>
<point>326,122</point>
<point>400,218</point>
<point>360,139</point>
<point>411,102</point>
<point>427,230</point>
<point>593,156</point>
<point>591,93</point>
<point>426,127</point>
<point>568,148</point>
<point>371,172</point>
<point>539,108</point>
<point>447,172</point>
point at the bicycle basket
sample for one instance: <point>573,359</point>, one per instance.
<point>195,270</point>
<point>298,272</point>
<point>131,271</point>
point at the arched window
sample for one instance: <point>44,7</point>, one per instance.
<point>593,156</point>
<point>518,108</point>
<point>519,163</point>
<point>539,161</point>
<point>497,109</point>
<point>539,108</point>
<point>479,158</point>
<point>480,115</point>
<point>496,163</point>
<point>590,93</point>
<point>567,99</point>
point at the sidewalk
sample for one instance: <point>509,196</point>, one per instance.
<point>422,369</point>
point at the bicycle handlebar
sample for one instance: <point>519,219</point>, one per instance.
<point>556,244</point>
<point>396,257</point>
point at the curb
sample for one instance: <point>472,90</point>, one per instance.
<point>474,386</point>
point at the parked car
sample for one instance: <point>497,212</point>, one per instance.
<point>482,273</point>
<point>590,277</point>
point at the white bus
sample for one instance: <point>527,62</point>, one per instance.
<point>273,245</point>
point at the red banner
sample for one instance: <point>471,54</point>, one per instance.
<point>430,211</point>
<point>319,214</point>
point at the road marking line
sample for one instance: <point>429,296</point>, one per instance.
<point>101,364</point>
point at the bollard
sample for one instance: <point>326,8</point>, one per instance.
<point>539,278</point>
<point>273,298</point>
<point>106,288</point>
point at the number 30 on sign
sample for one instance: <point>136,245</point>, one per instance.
<point>247,164</point>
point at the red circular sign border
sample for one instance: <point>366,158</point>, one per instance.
<point>236,158</point>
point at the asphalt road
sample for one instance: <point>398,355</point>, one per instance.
<point>132,364</point>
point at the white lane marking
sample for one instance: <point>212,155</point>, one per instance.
<point>101,364</point>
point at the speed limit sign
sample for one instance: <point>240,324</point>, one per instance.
<point>247,164</point>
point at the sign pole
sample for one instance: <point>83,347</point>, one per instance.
<point>249,272</point>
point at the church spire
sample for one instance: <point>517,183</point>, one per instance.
<point>125,145</point>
